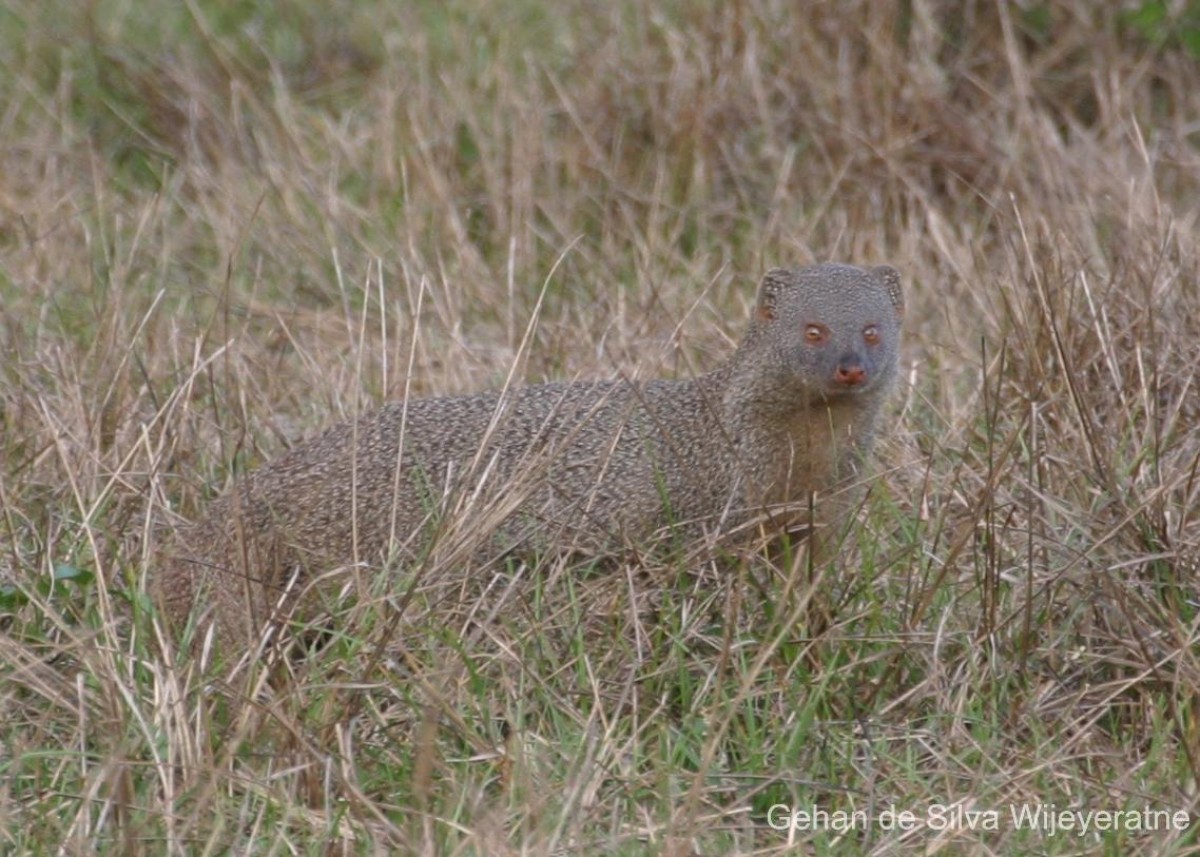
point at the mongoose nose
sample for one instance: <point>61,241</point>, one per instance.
<point>850,375</point>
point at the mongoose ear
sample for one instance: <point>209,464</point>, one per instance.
<point>773,282</point>
<point>890,278</point>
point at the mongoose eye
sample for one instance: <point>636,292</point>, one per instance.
<point>871,334</point>
<point>815,334</point>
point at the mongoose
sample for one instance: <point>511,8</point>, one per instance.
<point>587,465</point>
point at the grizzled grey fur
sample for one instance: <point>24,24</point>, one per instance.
<point>588,466</point>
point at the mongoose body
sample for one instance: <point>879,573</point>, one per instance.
<point>589,466</point>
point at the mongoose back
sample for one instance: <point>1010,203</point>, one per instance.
<point>590,465</point>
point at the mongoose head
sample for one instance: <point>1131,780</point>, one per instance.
<point>831,330</point>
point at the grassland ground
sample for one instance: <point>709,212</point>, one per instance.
<point>224,226</point>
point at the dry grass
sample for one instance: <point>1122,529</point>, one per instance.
<point>221,230</point>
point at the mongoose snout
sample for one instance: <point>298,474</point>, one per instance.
<point>850,371</point>
<point>786,421</point>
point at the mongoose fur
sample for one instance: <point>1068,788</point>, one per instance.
<point>588,465</point>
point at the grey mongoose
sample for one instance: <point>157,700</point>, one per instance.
<point>583,466</point>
